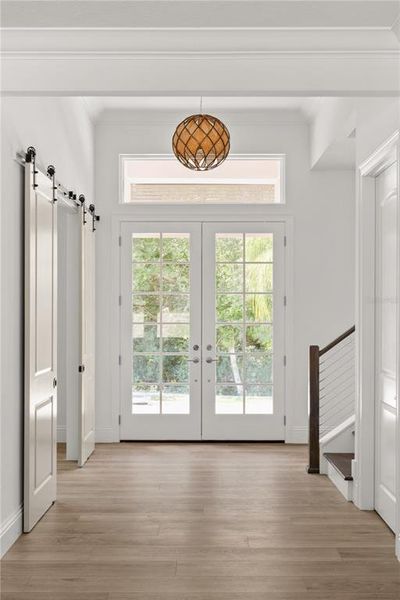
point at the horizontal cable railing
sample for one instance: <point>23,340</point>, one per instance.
<point>331,390</point>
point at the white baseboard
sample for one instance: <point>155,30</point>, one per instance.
<point>61,435</point>
<point>296,435</point>
<point>10,531</point>
<point>108,435</point>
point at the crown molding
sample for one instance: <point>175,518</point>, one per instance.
<point>195,43</point>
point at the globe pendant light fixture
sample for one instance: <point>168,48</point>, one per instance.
<point>201,142</point>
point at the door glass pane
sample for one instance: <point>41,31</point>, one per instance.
<point>175,309</point>
<point>175,277</point>
<point>146,338</point>
<point>258,277</point>
<point>258,247</point>
<point>161,323</point>
<point>229,307</point>
<point>259,400</point>
<point>259,308</point>
<point>175,400</point>
<point>176,247</point>
<point>230,369</point>
<point>145,399</point>
<point>229,338</point>
<point>229,277</point>
<point>146,368</point>
<point>146,308</point>
<point>244,301</point>
<point>229,247</point>
<point>145,277</point>
<point>229,399</point>
<point>176,337</point>
<point>146,247</point>
<point>259,338</point>
<point>175,368</point>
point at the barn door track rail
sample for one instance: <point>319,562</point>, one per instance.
<point>60,192</point>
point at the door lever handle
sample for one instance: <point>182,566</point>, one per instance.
<point>193,360</point>
<point>210,360</point>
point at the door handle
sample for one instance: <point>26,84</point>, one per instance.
<point>210,360</point>
<point>193,360</point>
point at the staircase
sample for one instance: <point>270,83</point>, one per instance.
<point>331,410</point>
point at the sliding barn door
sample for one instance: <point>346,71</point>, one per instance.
<point>40,465</point>
<point>87,398</point>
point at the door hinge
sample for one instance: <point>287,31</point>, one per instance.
<point>284,420</point>
<point>284,361</point>
<point>119,419</point>
<point>120,360</point>
<point>120,300</point>
<point>284,301</point>
<point>284,240</point>
<point>120,240</point>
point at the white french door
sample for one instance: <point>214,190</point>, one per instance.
<point>243,331</point>
<point>161,331</point>
<point>202,331</point>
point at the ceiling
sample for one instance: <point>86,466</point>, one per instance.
<point>99,106</point>
<point>200,13</point>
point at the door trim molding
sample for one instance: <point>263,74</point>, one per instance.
<point>213,215</point>
<point>364,471</point>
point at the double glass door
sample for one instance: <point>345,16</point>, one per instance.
<point>202,331</point>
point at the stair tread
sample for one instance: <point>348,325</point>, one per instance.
<point>341,461</point>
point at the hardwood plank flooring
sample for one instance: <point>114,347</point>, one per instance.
<point>148,521</point>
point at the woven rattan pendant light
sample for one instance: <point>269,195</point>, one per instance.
<point>201,142</point>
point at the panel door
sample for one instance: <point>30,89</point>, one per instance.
<point>87,366</point>
<point>40,468</point>
<point>160,361</point>
<point>387,325</point>
<point>243,331</point>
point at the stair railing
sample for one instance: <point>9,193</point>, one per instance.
<point>331,390</point>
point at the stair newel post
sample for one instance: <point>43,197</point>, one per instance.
<point>314,355</point>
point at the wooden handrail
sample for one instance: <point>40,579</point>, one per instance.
<point>314,400</point>
<point>337,341</point>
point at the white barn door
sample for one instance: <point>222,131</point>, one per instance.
<point>86,368</point>
<point>40,465</point>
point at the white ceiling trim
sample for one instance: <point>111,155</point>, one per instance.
<point>206,13</point>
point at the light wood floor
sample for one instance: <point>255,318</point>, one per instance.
<point>201,522</point>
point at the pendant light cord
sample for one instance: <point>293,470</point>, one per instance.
<point>201,105</point>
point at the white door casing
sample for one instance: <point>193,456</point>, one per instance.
<point>387,325</point>
<point>87,328</point>
<point>40,468</point>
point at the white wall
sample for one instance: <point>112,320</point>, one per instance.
<point>322,204</point>
<point>62,134</point>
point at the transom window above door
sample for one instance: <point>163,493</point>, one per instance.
<point>249,179</point>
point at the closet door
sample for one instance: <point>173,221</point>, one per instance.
<point>86,368</point>
<point>40,465</point>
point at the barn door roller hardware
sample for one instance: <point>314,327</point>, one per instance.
<point>60,192</point>
<point>92,210</point>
